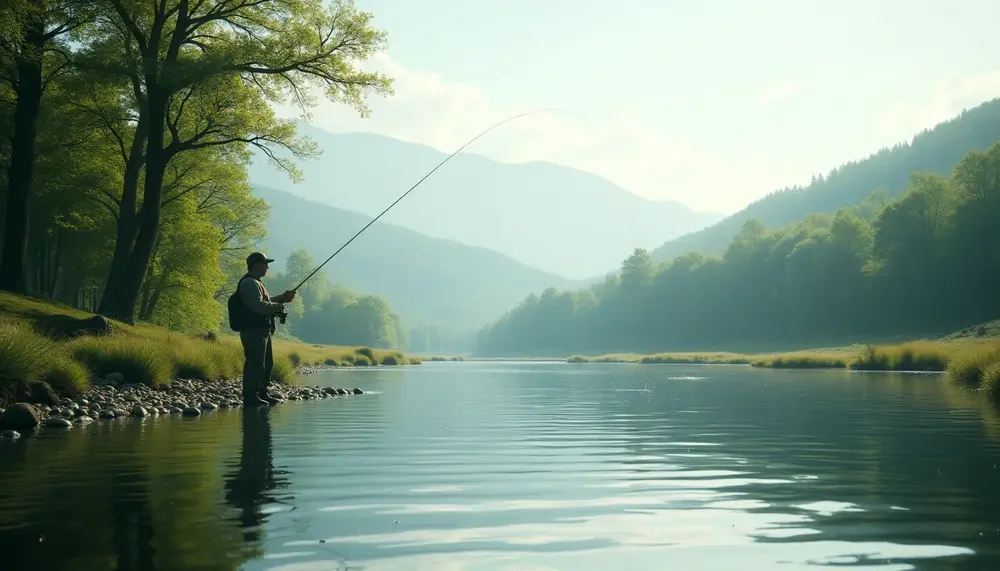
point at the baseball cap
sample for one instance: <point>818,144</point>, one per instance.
<point>256,258</point>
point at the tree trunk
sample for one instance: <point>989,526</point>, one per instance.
<point>22,159</point>
<point>54,265</point>
<point>128,225</point>
<point>123,305</point>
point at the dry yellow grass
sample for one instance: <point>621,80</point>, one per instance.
<point>925,355</point>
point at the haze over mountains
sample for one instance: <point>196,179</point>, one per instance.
<point>447,282</point>
<point>554,218</point>
<point>428,281</point>
<point>938,149</point>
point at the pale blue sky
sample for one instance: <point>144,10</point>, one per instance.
<point>674,94</point>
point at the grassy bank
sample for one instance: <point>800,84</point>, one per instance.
<point>971,361</point>
<point>666,358</point>
<point>34,346</point>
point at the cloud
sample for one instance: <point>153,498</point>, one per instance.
<point>948,98</point>
<point>778,91</point>
<point>429,110</point>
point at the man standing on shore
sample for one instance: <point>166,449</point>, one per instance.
<point>256,335</point>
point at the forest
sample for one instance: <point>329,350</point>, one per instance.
<point>924,263</point>
<point>127,129</point>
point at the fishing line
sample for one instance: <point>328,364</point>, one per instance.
<point>448,158</point>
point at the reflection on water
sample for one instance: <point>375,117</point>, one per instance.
<point>537,466</point>
<point>250,483</point>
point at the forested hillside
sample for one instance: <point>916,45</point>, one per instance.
<point>925,263</point>
<point>436,285</point>
<point>547,216</point>
<point>935,150</point>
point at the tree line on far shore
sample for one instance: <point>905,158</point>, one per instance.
<point>927,262</point>
<point>125,134</point>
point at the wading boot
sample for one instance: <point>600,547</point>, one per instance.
<point>253,401</point>
<point>264,395</point>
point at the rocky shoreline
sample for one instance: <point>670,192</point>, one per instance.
<point>111,397</point>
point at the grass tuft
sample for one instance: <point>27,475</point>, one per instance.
<point>915,356</point>
<point>65,376</point>
<point>801,361</point>
<point>990,381</point>
<point>283,372</point>
<point>138,359</point>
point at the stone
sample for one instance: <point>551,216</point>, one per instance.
<point>54,422</point>
<point>20,416</point>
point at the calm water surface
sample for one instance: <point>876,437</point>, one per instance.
<point>534,466</point>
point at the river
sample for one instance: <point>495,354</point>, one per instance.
<point>533,466</point>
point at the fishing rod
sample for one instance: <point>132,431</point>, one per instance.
<point>448,158</point>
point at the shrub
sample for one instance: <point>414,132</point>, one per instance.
<point>138,360</point>
<point>919,356</point>
<point>24,354</point>
<point>65,376</point>
<point>804,361</point>
<point>283,371</point>
<point>990,381</point>
<point>968,368</point>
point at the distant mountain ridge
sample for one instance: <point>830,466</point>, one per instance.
<point>428,281</point>
<point>564,220</point>
<point>937,149</point>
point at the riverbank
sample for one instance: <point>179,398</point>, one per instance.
<point>53,355</point>
<point>971,361</point>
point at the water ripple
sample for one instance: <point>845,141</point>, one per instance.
<point>528,466</point>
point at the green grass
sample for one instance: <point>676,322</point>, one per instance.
<point>665,358</point>
<point>979,368</point>
<point>34,347</point>
<point>915,356</point>
<point>804,360</point>
<point>925,355</point>
<point>439,358</point>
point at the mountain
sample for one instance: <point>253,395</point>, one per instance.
<point>428,281</point>
<point>547,216</point>
<point>938,149</point>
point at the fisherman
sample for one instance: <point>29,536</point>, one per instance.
<point>256,337</point>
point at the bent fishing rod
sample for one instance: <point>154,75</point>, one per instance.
<point>448,158</point>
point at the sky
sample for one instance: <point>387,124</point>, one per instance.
<point>711,103</point>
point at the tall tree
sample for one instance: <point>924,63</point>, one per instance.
<point>42,23</point>
<point>203,72</point>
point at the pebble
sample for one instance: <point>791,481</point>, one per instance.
<point>55,422</point>
<point>115,398</point>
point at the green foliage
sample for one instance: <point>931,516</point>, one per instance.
<point>64,375</point>
<point>97,175</point>
<point>887,172</point>
<point>924,356</point>
<point>332,314</point>
<point>283,371</point>
<point>804,361</point>
<point>968,369</point>
<point>139,360</point>
<point>990,381</point>
<point>925,263</point>
<point>23,357</point>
